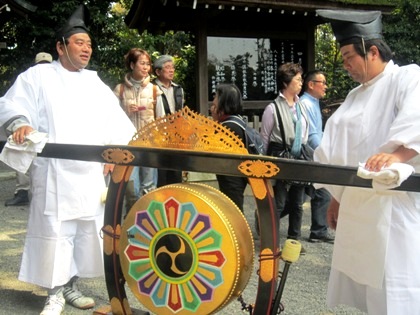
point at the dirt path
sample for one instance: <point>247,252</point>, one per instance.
<point>304,294</point>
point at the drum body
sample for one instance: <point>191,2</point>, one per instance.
<point>186,249</point>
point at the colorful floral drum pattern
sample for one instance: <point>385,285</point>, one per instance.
<point>186,249</point>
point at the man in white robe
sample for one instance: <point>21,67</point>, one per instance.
<point>72,105</point>
<point>376,257</point>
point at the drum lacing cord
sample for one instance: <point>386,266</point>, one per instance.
<point>108,233</point>
<point>245,306</point>
<point>263,257</point>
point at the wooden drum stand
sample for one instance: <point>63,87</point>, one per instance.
<point>186,248</point>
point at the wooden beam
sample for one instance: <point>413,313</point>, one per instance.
<point>202,72</point>
<point>299,5</point>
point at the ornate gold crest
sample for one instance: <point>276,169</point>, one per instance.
<point>188,130</point>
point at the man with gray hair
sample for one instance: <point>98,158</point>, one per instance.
<point>170,101</point>
<point>172,98</point>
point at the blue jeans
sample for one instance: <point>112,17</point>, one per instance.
<point>144,180</point>
<point>319,206</point>
<point>293,195</point>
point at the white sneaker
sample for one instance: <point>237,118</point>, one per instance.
<point>54,304</point>
<point>76,298</point>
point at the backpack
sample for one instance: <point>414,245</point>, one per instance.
<point>253,140</point>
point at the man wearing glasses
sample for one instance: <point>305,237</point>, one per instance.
<point>315,86</point>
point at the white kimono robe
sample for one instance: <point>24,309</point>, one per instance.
<point>78,108</point>
<point>376,259</point>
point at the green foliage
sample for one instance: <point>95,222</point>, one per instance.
<point>26,37</point>
<point>179,45</point>
<point>328,59</point>
<point>402,32</point>
<point>111,38</point>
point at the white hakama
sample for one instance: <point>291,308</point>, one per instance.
<point>376,257</point>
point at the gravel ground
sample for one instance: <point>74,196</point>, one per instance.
<point>304,293</point>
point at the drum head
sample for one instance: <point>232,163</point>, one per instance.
<point>186,249</point>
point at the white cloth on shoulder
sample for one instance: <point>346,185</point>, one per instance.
<point>387,178</point>
<point>20,156</point>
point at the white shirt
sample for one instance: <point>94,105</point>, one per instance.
<point>377,116</point>
<point>71,107</point>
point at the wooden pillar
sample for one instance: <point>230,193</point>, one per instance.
<point>310,44</point>
<point>201,69</point>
